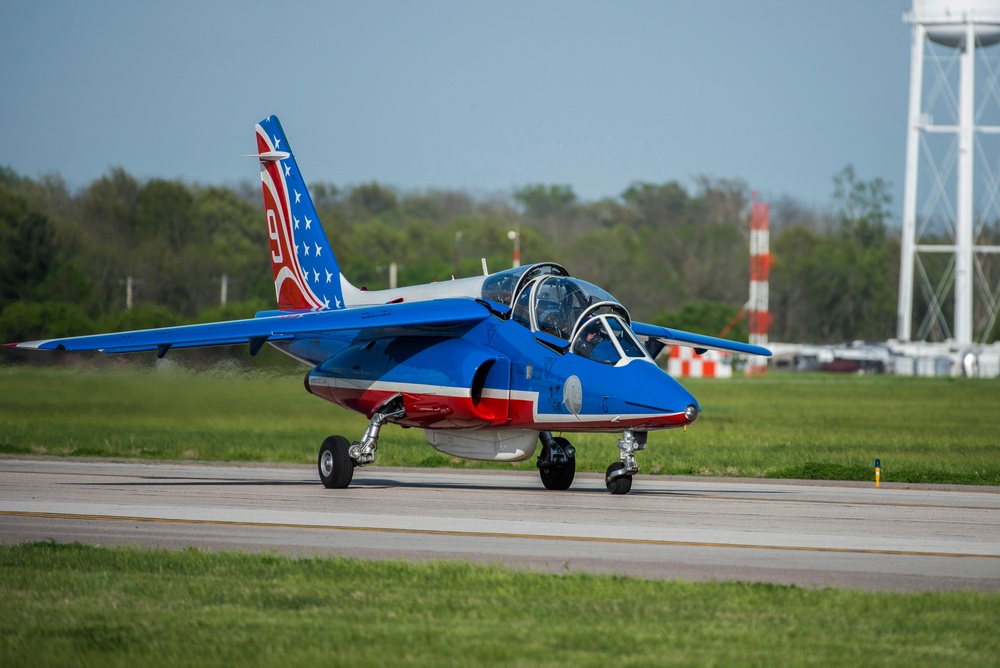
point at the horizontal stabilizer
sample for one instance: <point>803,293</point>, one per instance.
<point>700,342</point>
<point>269,156</point>
<point>255,331</point>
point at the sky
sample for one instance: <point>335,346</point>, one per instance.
<point>484,96</point>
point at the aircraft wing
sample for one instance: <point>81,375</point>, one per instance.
<point>284,327</point>
<point>700,342</point>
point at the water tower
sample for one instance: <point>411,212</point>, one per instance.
<point>951,200</point>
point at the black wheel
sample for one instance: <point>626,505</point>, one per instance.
<point>619,484</point>
<point>336,468</point>
<point>559,478</point>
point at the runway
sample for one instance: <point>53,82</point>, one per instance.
<point>822,534</point>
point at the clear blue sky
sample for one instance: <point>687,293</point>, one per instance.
<point>484,96</point>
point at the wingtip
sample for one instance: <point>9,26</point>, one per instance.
<point>26,345</point>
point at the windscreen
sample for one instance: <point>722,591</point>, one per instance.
<point>594,343</point>
<point>625,338</point>
<point>606,339</point>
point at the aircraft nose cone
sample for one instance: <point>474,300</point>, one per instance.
<point>654,390</point>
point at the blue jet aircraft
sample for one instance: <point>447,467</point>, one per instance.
<point>486,366</point>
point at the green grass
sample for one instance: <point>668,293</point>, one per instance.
<point>940,430</point>
<point>81,605</point>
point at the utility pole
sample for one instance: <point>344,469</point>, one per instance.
<point>516,238</point>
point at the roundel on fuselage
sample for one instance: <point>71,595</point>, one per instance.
<point>573,395</point>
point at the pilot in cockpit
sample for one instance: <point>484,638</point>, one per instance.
<point>554,323</point>
<point>590,337</point>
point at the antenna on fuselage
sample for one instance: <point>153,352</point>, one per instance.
<point>486,272</point>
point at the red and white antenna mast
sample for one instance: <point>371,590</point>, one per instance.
<point>758,317</point>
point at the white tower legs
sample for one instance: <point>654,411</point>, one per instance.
<point>904,322</point>
<point>963,227</point>
<point>969,26</point>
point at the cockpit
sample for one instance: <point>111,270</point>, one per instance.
<point>545,298</point>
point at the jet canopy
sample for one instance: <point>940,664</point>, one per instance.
<point>503,286</point>
<point>544,298</point>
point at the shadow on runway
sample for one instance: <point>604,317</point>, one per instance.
<point>183,482</point>
<point>637,490</point>
<point>381,482</point>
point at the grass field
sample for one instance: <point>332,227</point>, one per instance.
<point>80,605</point>
<point>785,425</point>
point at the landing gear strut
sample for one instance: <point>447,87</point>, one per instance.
<point>557,462</point>
<point>618,477</point>
<point>338,458</point>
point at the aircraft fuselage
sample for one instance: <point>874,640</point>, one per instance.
<point>494,375</point>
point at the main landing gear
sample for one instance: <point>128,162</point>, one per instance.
<point>557,462</point>
<point>338,458</point>
<point>618,477</point>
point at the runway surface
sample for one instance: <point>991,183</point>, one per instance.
<point>823,534</point>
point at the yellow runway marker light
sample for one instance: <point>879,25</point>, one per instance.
<point>878,473</point>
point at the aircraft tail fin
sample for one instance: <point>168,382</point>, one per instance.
<point>306,274</point>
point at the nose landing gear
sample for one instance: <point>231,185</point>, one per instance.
<point>618,477</point>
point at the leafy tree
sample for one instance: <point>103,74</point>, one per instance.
<point>656,246</point>
<point>540,201</point>
<point>795,318</point>
<point>370,200</point>
<point>325,196</point>
<point>657,205</point>
<point>436,207</point>
<point>868,262</point>
<point>235,234</point>
<point>141,316</point>
<point>108,234</point>
<point>111,208</point>
<point>862,205</point>
<point>788,212</point>
<point>723,201</point>
<point>164,214</point>
<point>614,259</point>
<point>27,251</point>
<point>840,286</point>
<point>26,321</point>
<point>175,268</point>
<point>9,178</point>
<point>233,311</point>
<point>706,316</point>
<point>68,281</point>
<point>482,238</point>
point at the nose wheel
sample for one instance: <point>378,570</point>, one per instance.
<point>618,477</point>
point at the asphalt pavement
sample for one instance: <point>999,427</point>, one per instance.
<point>897,538</point>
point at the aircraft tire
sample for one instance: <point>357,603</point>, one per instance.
<point>619,484</point>
<point>559,478</point>
<point>336,468</point>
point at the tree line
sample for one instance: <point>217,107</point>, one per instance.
<point>672,254</point>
